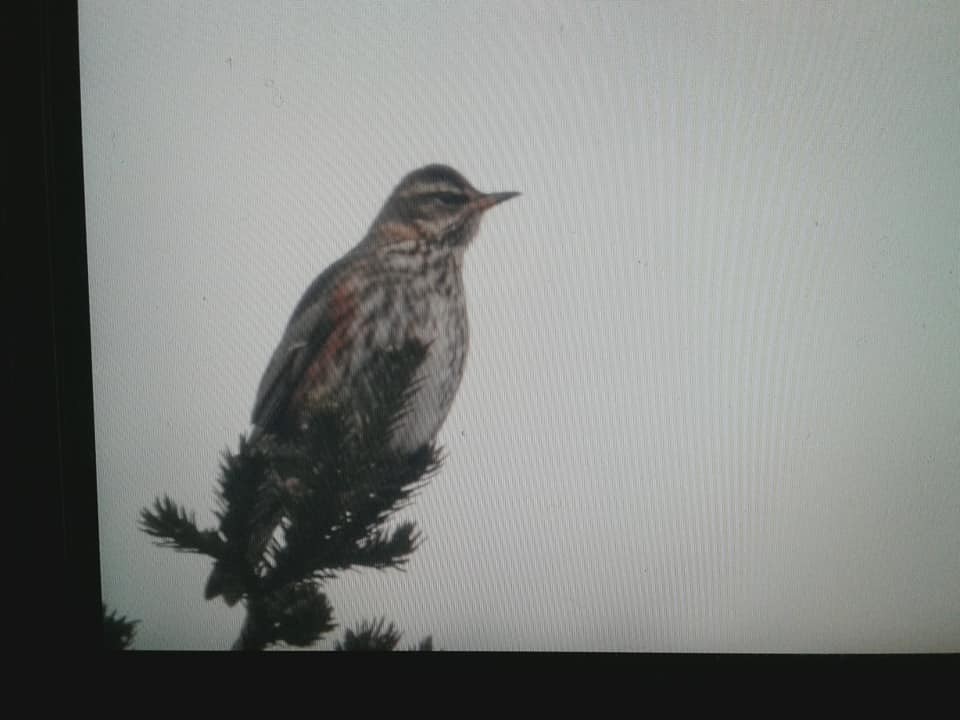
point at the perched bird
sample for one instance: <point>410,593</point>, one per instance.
<point>402,282</point>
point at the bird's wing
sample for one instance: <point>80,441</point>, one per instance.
<point>317,322</point>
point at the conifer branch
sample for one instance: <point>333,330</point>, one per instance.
<point>294,513</point>
<point>177,528</point>
<point>118,632</point>
<point>370,636</point>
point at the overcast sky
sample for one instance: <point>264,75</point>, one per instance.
<point>712,400</point>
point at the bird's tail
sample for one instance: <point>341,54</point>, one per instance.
<point>223,582</point>
<point>226,578</point>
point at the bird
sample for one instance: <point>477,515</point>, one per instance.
<point>403,282</point>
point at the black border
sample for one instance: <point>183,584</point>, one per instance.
<point>48,358</point>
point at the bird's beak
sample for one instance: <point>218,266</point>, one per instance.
<point>488,200</point>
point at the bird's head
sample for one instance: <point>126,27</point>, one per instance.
<point>438,204</point>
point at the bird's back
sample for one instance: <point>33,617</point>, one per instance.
<point>308,330</point>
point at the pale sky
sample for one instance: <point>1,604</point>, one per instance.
<point>712,401</point>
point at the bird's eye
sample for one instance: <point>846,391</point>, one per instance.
<point>450,198</point>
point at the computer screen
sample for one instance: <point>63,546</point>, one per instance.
<point>697,387</point>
